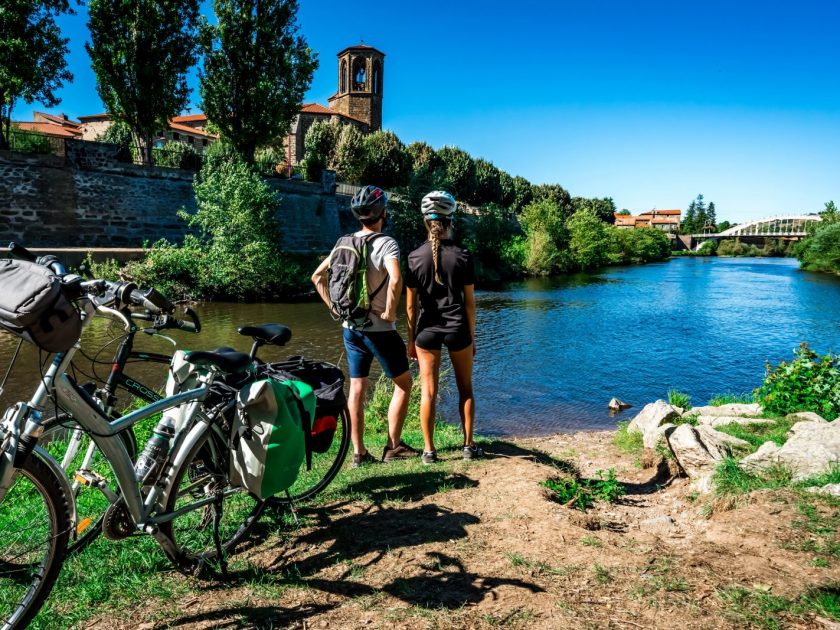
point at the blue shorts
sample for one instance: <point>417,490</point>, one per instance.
<point>387,346</point>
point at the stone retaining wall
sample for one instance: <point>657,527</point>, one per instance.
<point>89,199</point>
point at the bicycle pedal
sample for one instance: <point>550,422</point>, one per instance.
<point>89,478</point>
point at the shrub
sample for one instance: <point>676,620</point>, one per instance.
<point>349,162</point>
<point>319,148</point>
<point>488,187</point>
<point>709,248</point>
<point>807,383</point>
<point>270,161</point>
<point>28,141</point>
<point>679,399</point>
<point>821,252</point>
<point>387,163</point>
<point>737,248</point>
<point>583,494</point>
<point>457,172</point>
<point>177,155</point>
<point>590,240</point>
<point>628,441</point>
<point>487,235</point>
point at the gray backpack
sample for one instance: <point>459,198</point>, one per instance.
<point>34,305</point>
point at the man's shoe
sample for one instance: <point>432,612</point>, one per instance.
<point>473,452</point>
<point>429,457</point>
<point>400,451</point>
<point>360,459</point>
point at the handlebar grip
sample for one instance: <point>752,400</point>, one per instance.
<point>20,252</point>
<point>152,295</point>
<point>188,326</point>
<point>195,326</point>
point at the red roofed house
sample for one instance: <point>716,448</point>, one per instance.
<point>51,125</point>
<point>665,220</point>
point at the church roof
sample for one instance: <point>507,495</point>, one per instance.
<point>360,47</point>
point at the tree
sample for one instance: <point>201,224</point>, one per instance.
<point>140,52</point>
<point>689,224</point>
<point>603,208</point>
<point>32,56</point>
<point>457,172</point>
<point>387,163</point>
<point>507,189</point>
<point>702,217</point>
<point>319,148</point>
<point>590,239</point>
<point>257,68</point>
<point>349,161</point>
<point>711,216</point>
<point>488,188</point>
<point>522,194</point>
<point>556,194</point>
<point>723,226</point>
<point>624,212</point>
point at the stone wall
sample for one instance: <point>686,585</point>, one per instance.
<point>88,199</point>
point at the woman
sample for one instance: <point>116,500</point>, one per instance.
<point>441,277</point>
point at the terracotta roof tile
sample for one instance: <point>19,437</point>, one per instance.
<point>59,120</point>
<point>49,129</point>
<point>192,130</point>
<point>189,118</point>
<point>102,116</point>
<point>317,108</point>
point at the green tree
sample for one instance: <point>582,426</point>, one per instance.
<point>546,236</point>
<point>711,215</point>
<point>257,68</point>
<point>603,208</point>
<point>702,217</point>
<point>507,188</point>
<point>488,188</point>
<point>556,194</point>
<point>723,226</point>
<point>319,146</point>
<point>32,56</point>
<point>624,212</point>
<point>387,163</point>
<point>349,161</point>
<point>522,194</point>
<point>457,172</point>
<point>689,224</point>
<point>141,52</point>
<point>590,239</point>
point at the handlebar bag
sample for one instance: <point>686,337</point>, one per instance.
<point>269,446</point>
<point>327,382</point>
<point>34,305</point>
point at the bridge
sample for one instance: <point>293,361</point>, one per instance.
<point>789,227</point>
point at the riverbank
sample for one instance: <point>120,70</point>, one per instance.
<point>478,544</point>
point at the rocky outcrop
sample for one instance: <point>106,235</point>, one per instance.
<point>649,420</point>
<point>719,421</point>
<point>699,449</point>
<point>811,450</point>
<point>832,488</point>
<point>806,416</point>
<point>730,409</point>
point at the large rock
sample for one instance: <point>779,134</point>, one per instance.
<point>652,437</point>
<point>811,450</point>
<point>832,488</point>
<point>719,421</point>
<point>730,409</point>
<point>699,450</point>
<point>651,417</point>
<point>806,416</point>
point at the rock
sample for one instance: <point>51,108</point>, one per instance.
<point>651,417</point>
<point>833,489</point>
<point>806,416</point>
<point>616,404</point>
<point>710,436</point>
<point>730,409</point>
<point>719,421</point>
<point>651,438</point>
<point>811,450</point>
<point>656,523</point>
<point>698,450</point>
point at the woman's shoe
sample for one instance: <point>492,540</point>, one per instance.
<point>429,457</point>
<point>473,452</point>
<point>360,459</point>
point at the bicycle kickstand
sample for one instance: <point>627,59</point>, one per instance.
<point>217,518</point>
<point>292,508</point>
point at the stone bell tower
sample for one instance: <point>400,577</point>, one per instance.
<point>359,93</point>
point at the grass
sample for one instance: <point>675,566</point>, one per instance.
<point>731,479</point>
<point>679,399</point>
<point>729,398</point>
<point>758,434</point>
<point>631,442</point>
<point>602,574</point>
<point>582,494</point>
<point>759,608</point>
<point>660,575</point>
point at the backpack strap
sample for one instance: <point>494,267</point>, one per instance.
<point>367,240</point>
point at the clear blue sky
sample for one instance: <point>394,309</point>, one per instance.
<point>647,102</point>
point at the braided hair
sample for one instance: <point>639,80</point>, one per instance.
<point>437,229</point>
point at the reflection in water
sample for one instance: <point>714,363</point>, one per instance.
<point>552,352</point>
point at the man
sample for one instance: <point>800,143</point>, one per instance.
<point>377,336</point>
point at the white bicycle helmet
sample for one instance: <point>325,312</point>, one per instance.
<point>438,204</point>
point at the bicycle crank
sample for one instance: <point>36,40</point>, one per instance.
<point>117,522</point>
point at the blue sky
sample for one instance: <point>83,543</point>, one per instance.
<point>648,102</point>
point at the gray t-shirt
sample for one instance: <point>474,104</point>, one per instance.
<point>382,249</point>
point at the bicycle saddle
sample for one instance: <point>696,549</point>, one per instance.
<point>272,334</point>
<point>230,362</point>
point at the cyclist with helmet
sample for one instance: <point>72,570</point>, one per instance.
<point>440,278</point>
<point>377,338</point>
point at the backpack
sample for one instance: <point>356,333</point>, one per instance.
<point>268,435</point>
<point>34,305</point>
<point>350,296</point>
<point>327,382</point>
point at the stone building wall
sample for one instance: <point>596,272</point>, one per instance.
<point>87,199</point>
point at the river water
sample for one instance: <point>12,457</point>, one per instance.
<point>552,352</point>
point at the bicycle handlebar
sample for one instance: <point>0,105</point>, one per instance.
<point>18,251</point>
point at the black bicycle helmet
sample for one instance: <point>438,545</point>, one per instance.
<point>369,203</point>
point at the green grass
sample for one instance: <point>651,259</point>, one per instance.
<point>631,442</point>
<point>758,434</point>
<point>729,398</point>
<point>731,479</point>
<point>679,399</point>
<point>581,494</point>
<point>661,575</point>
<point>761,609</point>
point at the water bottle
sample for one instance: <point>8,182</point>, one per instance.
<point>157,448</point>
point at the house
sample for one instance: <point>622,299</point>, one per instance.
<point>188,129</point>
<point>665,220</point>
<point>51,125</point>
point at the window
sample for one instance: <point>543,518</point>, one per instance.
<point>204,142</point>
<point>359,75</point>
<point>377,77</point>
<point>176,136</point>
<point>343,77</point>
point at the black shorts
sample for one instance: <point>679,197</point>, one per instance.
<point>454,341</point>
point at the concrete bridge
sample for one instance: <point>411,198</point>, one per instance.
<point>786,227</point>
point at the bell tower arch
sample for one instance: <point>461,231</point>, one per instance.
<point>360,81</point>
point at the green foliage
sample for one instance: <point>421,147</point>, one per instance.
<point>730,479</point>
<point>628,441</point>
<point>725,399</point>
<point>709,248</point>
<point>737,248</point>
<point>387,163</point>
<point>757,434</point>
<point>489,236</point>
<point>556,194</point>
<point>604,208</point>
<point>457,172</point>
<point>488,186</point>
<point>270,161</point>
<point>641,245</point>
<point>350,160</point>
<point>759,609</point>
<point>679,399</point>
<point>589,240</point>
<point>698,217</point>
<point>142,79</point>
<point>582,494</point>
<point>118,132</point>
<point>544,225</point>
<point>32,56</point>
<point>108,269</point>
<point>807,383</point>
<point>522,194</point>
<point>319,148</point>
<point>28,141</point>
<point>177,155</point>
<point>257,68</point>
<point>821,251</point>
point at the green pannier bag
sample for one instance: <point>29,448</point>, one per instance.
<point>269,433</point>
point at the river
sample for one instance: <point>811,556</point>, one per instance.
<point>552,352</point>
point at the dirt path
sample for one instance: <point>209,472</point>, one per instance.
<point>481,547</point>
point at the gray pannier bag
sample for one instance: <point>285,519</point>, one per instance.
<point>34,306</point>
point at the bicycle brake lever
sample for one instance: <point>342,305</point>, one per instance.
<point>110,311</point>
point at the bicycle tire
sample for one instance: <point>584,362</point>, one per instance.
<point>192,548</point>
<point>21,500</point>
<point>325,467</point>
<point>94,504</point>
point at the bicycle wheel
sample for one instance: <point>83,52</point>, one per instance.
<point>204,474</point>
<point>74,450</point>
<point>325,466</point>
<point>34,529</point>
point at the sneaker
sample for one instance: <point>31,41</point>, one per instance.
<point>473,452</point>
<point>429,457</point>
<point>400,451</point>
<point>360,459</point>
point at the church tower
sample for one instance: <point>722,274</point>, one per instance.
<point>359,93</point>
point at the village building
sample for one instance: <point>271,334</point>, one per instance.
<point>665,220</point>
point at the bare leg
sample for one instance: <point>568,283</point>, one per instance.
<point>429,361</point>
<point>462,363</point>
<point>398,408</point>
<point>356,405</point>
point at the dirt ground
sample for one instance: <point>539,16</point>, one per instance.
<point>478,545</point>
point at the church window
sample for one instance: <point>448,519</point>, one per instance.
<point>343,76</point>
<point>359,75</point>
<point>377,77</point>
